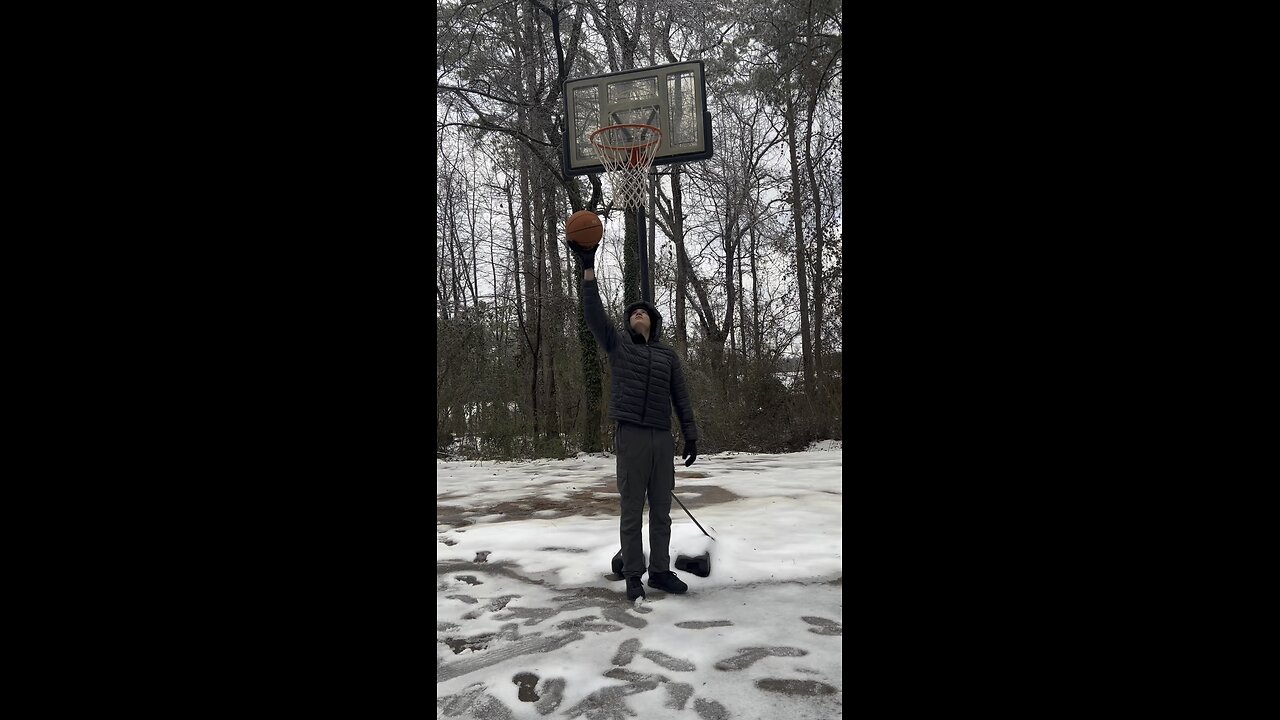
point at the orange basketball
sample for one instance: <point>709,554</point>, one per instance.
<point>584,229</point>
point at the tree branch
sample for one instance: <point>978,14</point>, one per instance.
<point>509,101</point>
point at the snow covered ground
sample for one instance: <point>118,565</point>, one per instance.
<point>531,622</point>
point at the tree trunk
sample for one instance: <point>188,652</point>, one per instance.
<point>742,305</point>
<point>589,438</point>
<point>677,228</point>
<point>797,208</point>
<point>630,260</point>
<point>755,300</point>
<point>817,234</point>
<point>533,303</point>
<point>473,214</point>
<point>515,254</point>
<point>539,252</point>
<point>553,323</point>
<point>440,285</point>
<point>725,329</point>
<point>453,256</point>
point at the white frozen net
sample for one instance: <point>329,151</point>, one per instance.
<point>627,152</point>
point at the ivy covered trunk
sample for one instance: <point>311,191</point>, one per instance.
<point>630,260</point>
<point>589,440</point>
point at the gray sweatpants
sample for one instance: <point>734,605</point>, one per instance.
<point>646,466</point>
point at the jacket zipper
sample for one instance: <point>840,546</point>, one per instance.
<point>644,407</point>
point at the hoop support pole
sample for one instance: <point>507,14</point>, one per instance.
<point>644,255</point>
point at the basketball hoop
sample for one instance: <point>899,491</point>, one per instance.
<point>627,152</point>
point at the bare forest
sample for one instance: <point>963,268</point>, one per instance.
<point>744,248</point>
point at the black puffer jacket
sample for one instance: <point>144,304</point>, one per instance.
<point>647,378</point>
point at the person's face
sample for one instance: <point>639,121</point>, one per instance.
<point>639,321</point>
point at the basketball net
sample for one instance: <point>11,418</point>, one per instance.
<point>627,152</point>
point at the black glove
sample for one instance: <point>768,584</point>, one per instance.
<point>585,256</point>
<point>690,451</point>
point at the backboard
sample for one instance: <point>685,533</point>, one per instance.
<point>671,97</point>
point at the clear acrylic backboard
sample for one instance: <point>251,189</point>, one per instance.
<point>671,97</point>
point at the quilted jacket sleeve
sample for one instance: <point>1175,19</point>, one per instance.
<point>680,398</point>
<point>599,324</point>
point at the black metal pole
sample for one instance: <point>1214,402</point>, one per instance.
<point>691,517</point>
<point>644,255</point>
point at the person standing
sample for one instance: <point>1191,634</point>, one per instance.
<point>647,379</point>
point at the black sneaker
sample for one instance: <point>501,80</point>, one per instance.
<point>667,582</point>
<point>634,588</point>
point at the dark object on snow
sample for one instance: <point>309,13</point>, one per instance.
<point>667,582</point>
<point>699,565</point>
<point>617,564</point>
